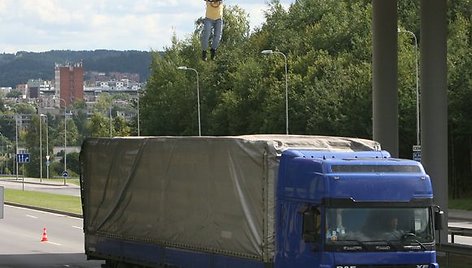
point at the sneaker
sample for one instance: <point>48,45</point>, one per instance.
<point>204,55</point>
<point>212,53</point>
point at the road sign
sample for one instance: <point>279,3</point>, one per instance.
<point>417,153</point>
<point>22,158</point>
<point>65,174</point>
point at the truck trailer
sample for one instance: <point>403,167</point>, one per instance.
<point>255,201</point>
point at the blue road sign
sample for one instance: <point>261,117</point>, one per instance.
<point>23,158</point>
<point>65,174</point>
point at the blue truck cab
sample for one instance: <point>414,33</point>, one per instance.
<point>353,210</point>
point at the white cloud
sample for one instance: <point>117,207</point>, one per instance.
<point>41,25</point>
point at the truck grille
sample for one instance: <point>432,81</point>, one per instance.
<point>384,266</point>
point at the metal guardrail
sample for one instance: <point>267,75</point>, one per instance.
<point>451,255</point>
<point>454,249</point>
<point>454,255</point>
<point>459,231</point>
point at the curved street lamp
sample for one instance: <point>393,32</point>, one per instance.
<point>139,129</point>
<point>47,146</point>
<point>269,52</point>
<point>65,138</point>
<point>40,149</point>
<point>4,152</point>
<point>16,142</point>
<point>185,68</point>
<point>418,142</point>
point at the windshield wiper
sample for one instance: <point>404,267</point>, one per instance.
<point>412,237</point>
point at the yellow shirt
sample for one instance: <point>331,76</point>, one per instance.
<point>214,10</point>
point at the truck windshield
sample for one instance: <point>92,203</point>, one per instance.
<point>393,227</point>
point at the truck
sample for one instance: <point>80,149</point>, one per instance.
<point>255,201</point>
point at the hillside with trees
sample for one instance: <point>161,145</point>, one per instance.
<point>20,67</point>
<point>328,45</point>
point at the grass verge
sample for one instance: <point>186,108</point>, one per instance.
<point>64,203</point>
<point>464,204</point>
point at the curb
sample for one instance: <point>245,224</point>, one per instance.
<point>70,214</point>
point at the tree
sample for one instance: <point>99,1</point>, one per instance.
<point>70,132</point>
<point>460,92</point>
<point>14,94</point>
<point>120,127</point>
<point>99,125</point>
<point>73,164</point>
<point>24,108</point>
<point>169,104</point>
<point>32,145</point>
<point>328,46</point>
<point>80,118</point>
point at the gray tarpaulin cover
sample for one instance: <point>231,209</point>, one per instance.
<point>212,194</point>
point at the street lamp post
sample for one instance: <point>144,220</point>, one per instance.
<point>139,132</point>
<point>418,142</point>
<point>269,51</point>
<point>40,150</point>
<point>16,142</point>
<point>65,138</point>
<point>198,97</point>
<point>47,146</point>
<point>111,121</point>
<point>4,152</point>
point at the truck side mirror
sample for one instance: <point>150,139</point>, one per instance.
<point>438,218</point>
<point>311,225</point>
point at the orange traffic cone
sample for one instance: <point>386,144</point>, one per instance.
<point>45,236</point>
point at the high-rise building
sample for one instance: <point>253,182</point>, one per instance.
<point>69,84</point>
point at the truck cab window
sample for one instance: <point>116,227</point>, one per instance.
<point>311,224</point>
<point>361,226</point>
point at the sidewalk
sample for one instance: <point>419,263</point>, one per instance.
<point>34,184</point>
<point>43,181</point>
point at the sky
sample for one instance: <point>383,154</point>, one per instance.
<point>43,25</point>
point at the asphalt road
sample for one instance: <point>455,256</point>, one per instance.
<point>21,232</point>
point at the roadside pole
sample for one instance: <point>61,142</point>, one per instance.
<point>1,202</point>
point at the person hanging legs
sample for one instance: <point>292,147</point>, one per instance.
<point>213,21</point>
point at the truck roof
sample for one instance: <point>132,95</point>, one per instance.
<point>284,142</point>
<point>371,176</point>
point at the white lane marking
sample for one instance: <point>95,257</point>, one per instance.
<point>56,244</point>
<point>31,216</point>
<point>77,227</point>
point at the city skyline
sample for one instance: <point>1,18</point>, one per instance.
<point>38,26</point>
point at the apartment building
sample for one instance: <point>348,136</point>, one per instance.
<point>69,83</point>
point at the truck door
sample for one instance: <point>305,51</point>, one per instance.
<point>299,236</point>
